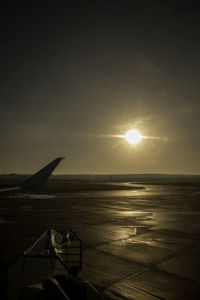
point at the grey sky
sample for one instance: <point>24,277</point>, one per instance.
<point>72,73</point>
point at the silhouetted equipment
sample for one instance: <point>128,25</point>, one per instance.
<point>63,246</point>
<point>53,253</point>
<point>48,270</point>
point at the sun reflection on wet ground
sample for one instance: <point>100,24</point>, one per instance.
<point>152,231</point>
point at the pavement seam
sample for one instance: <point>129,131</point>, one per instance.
<point>112,275</point>
<point>175,275</point>
<point>148,293</point>
<point>139,289</point>
<point>132,261</point>
<point>137,273</point>
<point>93,267</point>
<point>173,255</point>
<point>119,295</point>
<point>184,278</point>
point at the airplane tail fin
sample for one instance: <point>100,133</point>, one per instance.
<point>39,179</point>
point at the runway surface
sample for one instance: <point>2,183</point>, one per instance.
<point>137,244</point>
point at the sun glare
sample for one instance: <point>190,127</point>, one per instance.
<point>133,137</point>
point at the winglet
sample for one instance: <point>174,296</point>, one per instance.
<point>39,179</point>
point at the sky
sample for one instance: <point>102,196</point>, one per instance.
<point>75,76</point>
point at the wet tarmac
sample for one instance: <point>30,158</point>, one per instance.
<point>137,244</point>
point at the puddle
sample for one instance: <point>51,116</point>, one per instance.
<point>139,230</point>
<point>33,196</point>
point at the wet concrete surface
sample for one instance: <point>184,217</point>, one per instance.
<point>137,244</point>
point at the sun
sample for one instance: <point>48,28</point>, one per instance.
<point>133,136</point>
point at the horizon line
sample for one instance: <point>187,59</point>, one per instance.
<point>107,174</point>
